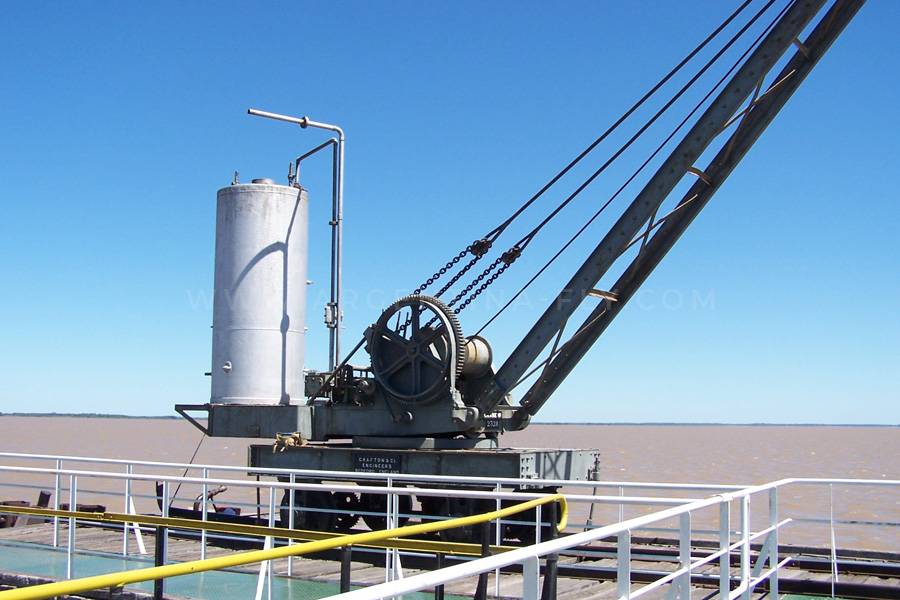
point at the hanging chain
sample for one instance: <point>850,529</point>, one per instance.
<point>443,270</point>
<point>457,277</point>
<point>483,287</point>
<point>479,248</point>
<point>475,282</point>
<point>508,258</point>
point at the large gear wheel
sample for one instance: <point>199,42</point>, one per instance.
<point>415,346</point>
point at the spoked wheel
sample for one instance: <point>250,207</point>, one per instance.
<point>375,507</point>
<point>313,510</point>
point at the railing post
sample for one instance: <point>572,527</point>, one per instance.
<point>128,471</point>
<point>623,565</point>
<point>290,523</point>
<point>531,573</point>
<point>346,556</point>
<point>773,550</point>
<point>684,556</point>
<point>56,491</point>
<point>160,550</point>
<point>270,567</point>
<point>745,547</point>
<point>438,589</point>
<point>481,589</point>
<point>537,524</point>
<point>70,545</point>
<point>834,566</point>
<point>498,537</point>
<point>204,508</point>
<point>552,561</point>
<point>724,543</point>
<point>159,559</point>
<point>392,508</point>
<point>264,571</point>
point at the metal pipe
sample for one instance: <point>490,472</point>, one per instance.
<point>340,247</point>
<point>313,151</point>
<point>333,326</point>
<point>337,243</point>
<point>334,304</point>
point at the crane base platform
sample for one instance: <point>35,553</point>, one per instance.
<point>491,463</point>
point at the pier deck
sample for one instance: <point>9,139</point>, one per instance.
<point>29,550</point>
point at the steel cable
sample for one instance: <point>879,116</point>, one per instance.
<point>642,166</point>
<point>496,232</point>
<point>523,243</point>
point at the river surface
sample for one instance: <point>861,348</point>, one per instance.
<point>714,454</point>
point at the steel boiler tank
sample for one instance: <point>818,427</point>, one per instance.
<point>259,301</point>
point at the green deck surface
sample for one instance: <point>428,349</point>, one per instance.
<point>46,561</point>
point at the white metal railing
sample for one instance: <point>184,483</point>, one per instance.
<point>724,514</point>
<point>751,575</point>
<point>528,558</point>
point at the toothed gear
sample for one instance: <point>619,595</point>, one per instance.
<point>348,507</point>
<point>410,346</point>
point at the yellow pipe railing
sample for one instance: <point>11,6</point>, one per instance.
<point>121,579</point>
<point>451,548</point>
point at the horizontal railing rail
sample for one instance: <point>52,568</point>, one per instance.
<point>361,476</point>
<point>261,531</point>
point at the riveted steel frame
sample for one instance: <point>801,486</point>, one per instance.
<point>753,122</point>
<point>710,126</point>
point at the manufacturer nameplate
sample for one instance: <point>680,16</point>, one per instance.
<point>376,463</point>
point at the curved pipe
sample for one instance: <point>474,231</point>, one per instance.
<point>337,240</point>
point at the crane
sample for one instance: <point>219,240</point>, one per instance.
<point>430,399</point>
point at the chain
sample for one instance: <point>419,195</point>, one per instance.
<point>483,287</point>
<point>443,270</point>
<point>457,277</point>
<point>475,282</point>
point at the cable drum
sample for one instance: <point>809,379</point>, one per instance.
<point>478,357</point>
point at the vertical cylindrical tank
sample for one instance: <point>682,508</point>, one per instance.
<point>259,302</point>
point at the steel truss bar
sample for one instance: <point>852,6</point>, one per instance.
<point>647,202</point>
<point>755,121</point>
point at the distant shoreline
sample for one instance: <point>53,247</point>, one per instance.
<point>635,424</point>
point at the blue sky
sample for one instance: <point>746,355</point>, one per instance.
<point>119,121</point>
